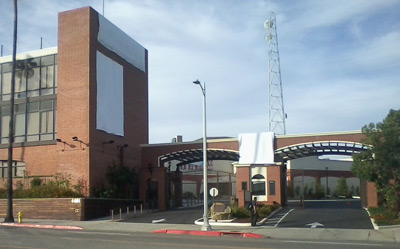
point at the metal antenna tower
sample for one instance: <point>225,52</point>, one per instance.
<point>277,113</point>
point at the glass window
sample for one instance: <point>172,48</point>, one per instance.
<point>33,81</point>
<point>20,81</point>
<point>6,67</point>
<point>5,110</point>
<point>47,77</point>
<point>258,176</point>
<point>20,124</point>
<point>32,123</point>
<point>6,86</point>
<point>271,187</point>
<point>5,122</point>
<point>258,188</point>
<point>18,169</point>
<point>258,184</point>
<point>46,122</point>
<point>55,75</point>
<point>244,185</point>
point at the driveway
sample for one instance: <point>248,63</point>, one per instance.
<point>347,214</point>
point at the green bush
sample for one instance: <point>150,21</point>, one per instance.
<point>264,210</point>
<point>240,212</point>
<point>3,193</point>
<point>36,181</point>
<point>58,188</point>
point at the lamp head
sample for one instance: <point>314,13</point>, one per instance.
<point>59,140</point>
<point>197,82</point>
<point>75,138</point>
<point>109,142</point>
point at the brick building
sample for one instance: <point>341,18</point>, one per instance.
<point>80,107</point>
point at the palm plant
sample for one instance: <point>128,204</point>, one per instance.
<point>25,69</point>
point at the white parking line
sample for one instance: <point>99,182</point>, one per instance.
<point>283,217</point>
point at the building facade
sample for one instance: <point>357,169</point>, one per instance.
<point>80,107</point>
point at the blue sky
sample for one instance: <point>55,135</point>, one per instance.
<point>340,60</point>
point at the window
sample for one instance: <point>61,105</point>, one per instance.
<point>271,187</point>
<point>34,121</point>
<point>244,185</point>
<point>258,185</point>
<point>17,167</point>
<point>35,115</point>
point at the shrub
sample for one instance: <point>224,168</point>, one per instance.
<point>36,181</point>
<point>264,210</point>
<point>58,188</point>
<point>240,212</point>
<point>3,193</point>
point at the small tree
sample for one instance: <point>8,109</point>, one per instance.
<point>342,189</point>
<point>381,162</point>
<point>122,180</point>
<point>319,188</point>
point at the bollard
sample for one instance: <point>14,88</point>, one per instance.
<point>127,211</point>
<point>19,217</point>
<point>141,208</point>
<point>120,213</point>
<point>112,214</point>
<point>134,210</point>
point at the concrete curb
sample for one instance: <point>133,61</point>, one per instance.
<point>61,227</point>
<point>209,233</point>
<point>376,227</point>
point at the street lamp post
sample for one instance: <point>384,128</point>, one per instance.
<point>206,225</point>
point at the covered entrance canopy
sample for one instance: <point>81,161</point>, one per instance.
<point>196,155</point>
<point>319,148</point>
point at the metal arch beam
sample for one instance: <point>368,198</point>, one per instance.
<point>196,155</point>
<point>319,148</point>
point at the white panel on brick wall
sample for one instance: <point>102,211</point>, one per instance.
<point>256,148</point>
<point>122,44</point>
<point>110,95</point>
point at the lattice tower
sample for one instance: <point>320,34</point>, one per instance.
<point>277,115</point>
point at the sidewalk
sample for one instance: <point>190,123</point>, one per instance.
<point>391,234</point>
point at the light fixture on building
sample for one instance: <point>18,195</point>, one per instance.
<point>122,146</point>
<point>76,139</point>
<point>61,141</point>
<point>108,142</point>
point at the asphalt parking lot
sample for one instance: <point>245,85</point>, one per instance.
<point>344,214</point>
